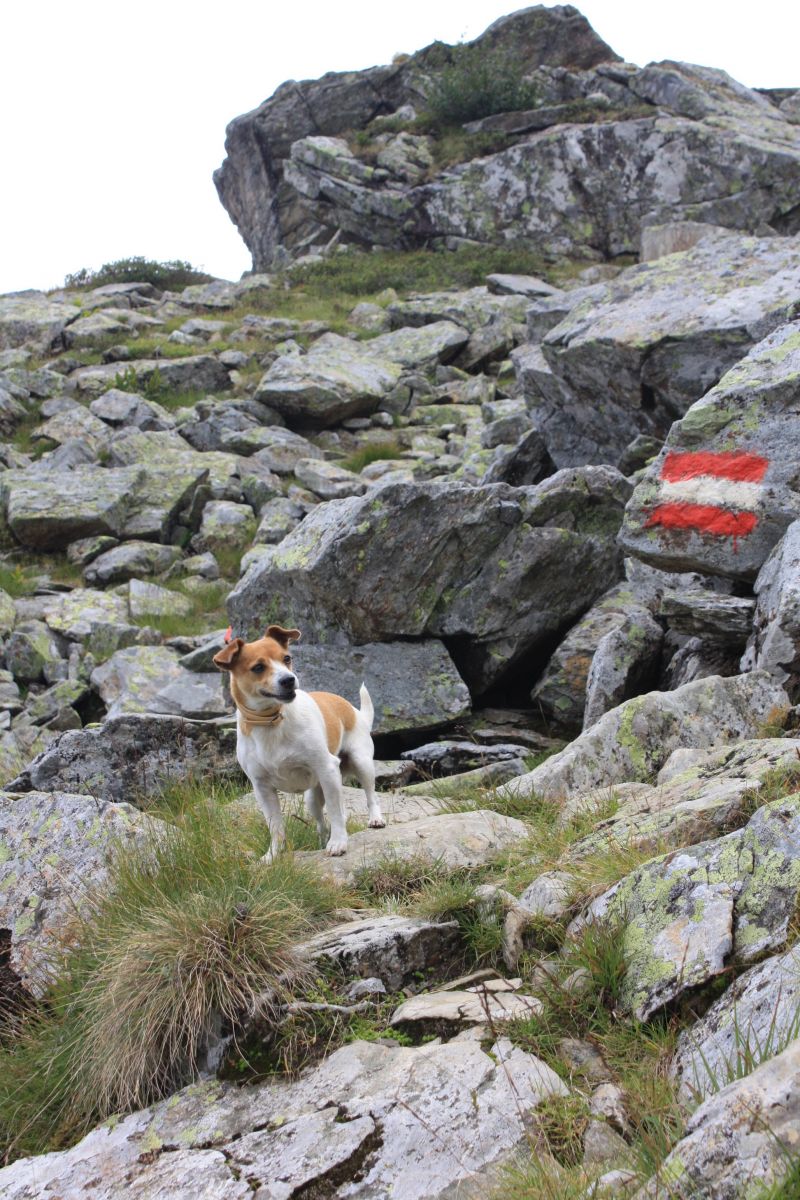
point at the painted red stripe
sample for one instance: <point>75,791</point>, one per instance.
<point>730,464</point>
<point>704,517</point>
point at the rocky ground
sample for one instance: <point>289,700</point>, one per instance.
<point>553,521</point>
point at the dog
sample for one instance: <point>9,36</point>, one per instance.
<point>297,741</point>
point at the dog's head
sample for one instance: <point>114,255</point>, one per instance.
<point>261,671</point>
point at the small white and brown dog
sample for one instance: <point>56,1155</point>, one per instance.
<point>297,741</point>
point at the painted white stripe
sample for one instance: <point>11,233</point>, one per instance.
<point>706,489</point>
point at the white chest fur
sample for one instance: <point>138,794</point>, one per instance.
<point>292,754</point>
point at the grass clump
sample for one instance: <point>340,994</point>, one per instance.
<point>206,611</point>
<point>176,273</point>
<point>370,454</point>
<point>189,934</point>
<point>478,83</point>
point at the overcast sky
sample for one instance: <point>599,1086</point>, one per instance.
<point>114,115</point>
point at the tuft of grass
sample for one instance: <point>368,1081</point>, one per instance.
<point>476,83</point>
<point>561,1122</point>
<point>370,454</point>
<point>189,934</point>
<point>19,579</point>
<point>166,275</point>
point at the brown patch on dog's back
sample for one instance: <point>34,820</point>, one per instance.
<point>338,714</point>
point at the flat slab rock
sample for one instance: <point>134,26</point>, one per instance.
<point>465,1008</point>
<point>393,948</point>
<point>53,847</point>
<point>358,1125</point>
<point>455,839</point>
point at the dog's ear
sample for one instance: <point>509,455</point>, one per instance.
<point>284,636</point>
<point>228,654</point>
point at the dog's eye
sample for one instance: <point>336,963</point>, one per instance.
<point>258,669</point>
<point>287,658</point>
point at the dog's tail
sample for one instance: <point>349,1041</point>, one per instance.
<point>367,711</point>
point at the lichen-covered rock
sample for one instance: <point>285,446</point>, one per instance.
<point>129,561</point>
<point>333,381</point>
<point>150,679</point>
<point>357,1125</point>
<point>455,840</point>
<point>32,651</point>
<point>681,915</point>
<point>54,847</point>
<point>201,372</point>
<point>724,489</point>
<point>752,1021</point>
<point>128,409</point>
<point>100,621</point>
<point>421,346</point>
<point>32,317</point>
<point>280,449</point>
<point>741,1140</point>
<point>127,757</point>
<point>225,526</point>
<point>775,642</point>
<point>45,511</point>
<point>503,567</point>
<point>413,685</point>
<point>633,741</point>
<point>591,672</point>
<point>327,480</point>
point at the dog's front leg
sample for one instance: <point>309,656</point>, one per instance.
<point>331,784</point>
<point>268,802</point>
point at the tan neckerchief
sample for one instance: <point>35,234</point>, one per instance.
<point>254,716</point>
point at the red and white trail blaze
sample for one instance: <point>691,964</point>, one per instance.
<point>712,493</point>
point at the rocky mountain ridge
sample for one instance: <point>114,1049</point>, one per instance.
<point>548,508</point>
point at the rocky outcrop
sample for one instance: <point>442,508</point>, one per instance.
<point>252,182</point>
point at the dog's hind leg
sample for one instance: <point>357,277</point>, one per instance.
<point>364,768</point>
<point>315,807</point>
<point>331,784</point>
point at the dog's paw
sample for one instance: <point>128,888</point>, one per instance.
<point>377,822</point>
<point>271,855</point>
<point>336,846</point>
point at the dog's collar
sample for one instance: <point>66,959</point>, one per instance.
<point>251,716</point>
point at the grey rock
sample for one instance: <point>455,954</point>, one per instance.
<point>681,915</point>
<point>549,895</point>
<point>519,285</point>
<point>151,679</point>
<point>330,1128</point>
<point>455,840</point>
<point>751,411</point>
<point>418,347</point>
<point>333,381</point>
<point>277,518</point>
<point>118,408</point>
<point>282,450</point>
<point>632,742</point>
<point>46,512</point>
<point>453,1008</point>
<point>413,685</point>
<point>421,559</point>
<point>448,757</point>
<point>30,650</point>
<point>396,948</point>
<point>32,317</point>
<point>126,757</point>
<point>657,337</point>
<point>724,1145</point>
<point>98,620</point>
<point>327,480</point>
<point>224,526</point>
<point>708,614</point>
<point>753,1020</point>
<point>775,642</point>
<point>201,372</point>
<point>149,600</point>
<point>54,848</point>
<point>130,560</point>
<point>525,463</point>
<point>588,674</point>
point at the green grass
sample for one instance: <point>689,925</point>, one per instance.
<point>190,929</point>
<point>206,613</point>
<point>370,454</point>
<point>19,578</point>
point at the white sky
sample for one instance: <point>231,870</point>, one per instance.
<point>114,115</point>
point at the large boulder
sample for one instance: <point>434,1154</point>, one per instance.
<point>54,847</point>
<point>494,571</point>
<point>47,511</point>
<point>653,340</point>
<point>330,383</point>
<point>201,372</point>
<point>33,317</point>
<point>725,487</point>
<point>633,741</point>
<point>151,679</point>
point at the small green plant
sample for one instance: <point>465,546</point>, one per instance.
<point>164,275</point>
<point>370,454</point>
<point>561,1123</point>
<point>477,83</point>
<point>205,613</point>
